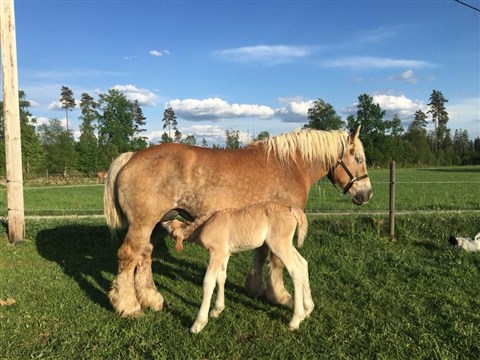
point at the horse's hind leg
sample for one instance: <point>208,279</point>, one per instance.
<point>254,282</point>
<point>276,291</point>
<point>122,294</point>
<point>147,294</point>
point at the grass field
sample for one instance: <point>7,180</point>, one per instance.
<point>416,189</point>
<point>413,298</point>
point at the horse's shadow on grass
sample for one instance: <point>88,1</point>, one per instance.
<point>88,254</point>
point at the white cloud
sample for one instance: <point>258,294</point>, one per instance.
<point>158,53</point>
<point>294,110</point>
<point>465,114</point>
<point>399,105</point>
<point>215,109</point>
<point>377,35</point>
<point>145,97</point>
<point>213,134</point>
<point>41,120</point>
<point>365,62</point>
<point>266,54</point>
<point>55,105</point>
<point>407,76</point>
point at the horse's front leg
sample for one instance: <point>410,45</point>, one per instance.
<point>221,278</point>
<point>276,291</point>
<point>254,282</point>
<point>147,294</point>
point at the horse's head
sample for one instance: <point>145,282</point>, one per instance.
<point>350,172</point>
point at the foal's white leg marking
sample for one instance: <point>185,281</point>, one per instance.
<point>208,287</point>
<point>221,278</point>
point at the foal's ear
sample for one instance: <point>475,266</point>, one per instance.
<point>354,134</point>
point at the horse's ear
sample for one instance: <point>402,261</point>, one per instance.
<point>355,134</point>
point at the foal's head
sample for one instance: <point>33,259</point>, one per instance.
<point>174,228</point>
<point>350,172</point>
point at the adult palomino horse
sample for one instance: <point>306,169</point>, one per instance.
<point>155,184</point>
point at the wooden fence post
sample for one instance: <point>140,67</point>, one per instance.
<point>392,201</point>
<point>11,116</point>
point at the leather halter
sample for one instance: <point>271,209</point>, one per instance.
<point>352,181</point>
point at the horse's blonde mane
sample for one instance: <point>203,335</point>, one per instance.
<point>312,145</point>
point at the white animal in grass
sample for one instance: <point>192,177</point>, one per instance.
<point>466,243</point>
<point>233,230</point>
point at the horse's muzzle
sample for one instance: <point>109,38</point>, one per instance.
<point>362,197</point>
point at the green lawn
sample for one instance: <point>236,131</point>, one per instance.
<point>413,298</point>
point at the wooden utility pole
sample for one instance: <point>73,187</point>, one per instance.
<point>11,117</point>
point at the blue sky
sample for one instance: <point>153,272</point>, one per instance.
<point>251,65</point>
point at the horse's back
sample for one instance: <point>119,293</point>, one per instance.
<point>199,180</point>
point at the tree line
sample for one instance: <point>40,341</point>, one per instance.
<point>386,139</point>
<point>113,124</point>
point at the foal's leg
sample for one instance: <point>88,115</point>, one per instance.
<point>254,281</point>
<point>122,294</point>
<point>211,275</point>
<point>285,251</point>
<point>308,304</point>
<point>147,293</point>
<point>221,278</point>
<point>276,291</point>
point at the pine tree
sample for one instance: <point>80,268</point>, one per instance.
<point>139,120</point>
<point>87,146</point>
<point>169,121</point>
<point>67,101</point>
<point>439,117</point>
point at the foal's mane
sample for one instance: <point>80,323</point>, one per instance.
<point>313,145</point>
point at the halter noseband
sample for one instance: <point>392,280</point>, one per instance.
<point>352,181</point>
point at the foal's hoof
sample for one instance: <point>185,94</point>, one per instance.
<point>197,327</point>
<point>214,313</point>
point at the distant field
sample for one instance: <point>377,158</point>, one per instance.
<point>416,189</point>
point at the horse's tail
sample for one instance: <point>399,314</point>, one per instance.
<point>302,224</point>
<point>113,213</point>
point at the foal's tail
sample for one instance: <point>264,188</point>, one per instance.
<point>111,208</point>
<point>302,224</point>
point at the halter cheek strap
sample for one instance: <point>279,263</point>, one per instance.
<point>352,181</point>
